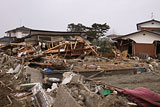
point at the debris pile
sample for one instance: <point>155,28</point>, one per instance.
<point>65,74</point>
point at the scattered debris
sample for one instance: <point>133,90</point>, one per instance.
<point>67,73</point>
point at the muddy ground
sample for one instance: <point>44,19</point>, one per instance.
<point>150,80</point>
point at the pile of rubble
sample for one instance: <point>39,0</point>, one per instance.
<point>22,85</point>
<point>63,75</point>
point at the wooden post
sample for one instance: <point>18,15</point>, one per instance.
<point>155,48</point>
<point>59,51</point>
<point>71,45</point>
<point>39,44</point>
<point>52,44</point>
<point>133,48</point>
<point>38,38</point>
<point>75,45</point>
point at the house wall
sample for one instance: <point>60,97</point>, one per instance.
<point>12,34</point>
<point>143,37</point>
<point>150,29</point>
<point>151,25</point>
<point>18,34</point>
<point>139,48</point>
<point>57,38</point>
<point>31,40</point>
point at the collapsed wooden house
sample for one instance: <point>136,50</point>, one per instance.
<point>52,42</point>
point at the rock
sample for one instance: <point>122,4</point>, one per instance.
<point>80,102</point>
<point>82,92</point>
<point>75,93</point>
<point>113,101</point>
<point>92,99</point>
<point>80,97</point>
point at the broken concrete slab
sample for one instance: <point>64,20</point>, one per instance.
<point>27,86</point>
<point>64,98</point>
<point>42,99</point>
<point>36,75</point>
<point>92,99</point>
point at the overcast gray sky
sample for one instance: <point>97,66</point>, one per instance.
<point>120,15</point>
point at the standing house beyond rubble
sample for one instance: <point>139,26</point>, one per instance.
<point>146,41</point>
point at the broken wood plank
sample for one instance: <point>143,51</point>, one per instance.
<point>96,74</point>
<point>39,63</point>
<point>9,100</point>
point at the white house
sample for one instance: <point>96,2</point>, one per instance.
<point>151,25</point>
<point>145,41</point>
<point>18,32</point>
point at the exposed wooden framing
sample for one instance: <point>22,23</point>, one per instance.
<point>66,51</point>
<point>125,44</point>
<point>75,45</point>
<point>69,50</point>
<point>21,49</point>
<point>47,44</point>
<point>71,45</point>
<point>92,48</point>
<point>49,57</point>
<point>55,47</point>
<point>65,46</point>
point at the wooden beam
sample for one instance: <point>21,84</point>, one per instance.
<point>18,44</point>
<point>92,48</point>
<point>56,47</point>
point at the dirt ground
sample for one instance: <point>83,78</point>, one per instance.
<point>150,80</point>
